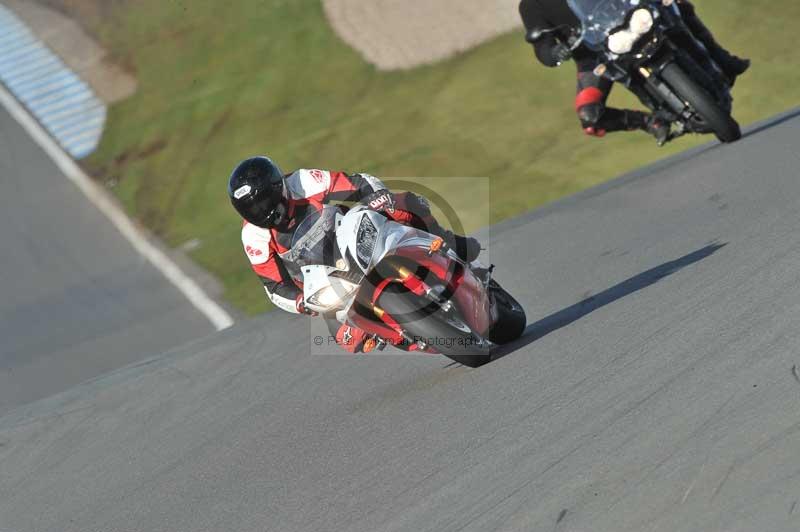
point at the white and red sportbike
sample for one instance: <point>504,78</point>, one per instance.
<point>401,284</point>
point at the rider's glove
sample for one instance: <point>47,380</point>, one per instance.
<point>561,52</point>
<point>300,305</point>
<point>380,201</point>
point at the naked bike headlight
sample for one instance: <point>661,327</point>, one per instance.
<point>641,21</point>
<point>622,41</point>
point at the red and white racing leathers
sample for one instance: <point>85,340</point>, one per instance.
<point>311,189</point>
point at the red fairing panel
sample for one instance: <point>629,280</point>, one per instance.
<point>384,331</point>
<point>469,294</point>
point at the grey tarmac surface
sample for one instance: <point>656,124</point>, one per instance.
<point>654,391</point>
<point>76,299</point>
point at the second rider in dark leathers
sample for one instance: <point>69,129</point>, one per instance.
<point>552,49</point>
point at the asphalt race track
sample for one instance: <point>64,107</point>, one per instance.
<point>655,390</point>
<point>76,300</point>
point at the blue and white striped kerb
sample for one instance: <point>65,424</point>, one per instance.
<point>62,102</point>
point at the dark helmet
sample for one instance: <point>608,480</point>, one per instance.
<point>256,192</point>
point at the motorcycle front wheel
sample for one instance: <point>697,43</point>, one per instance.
<point>446,334</point>
<point>720,122</point>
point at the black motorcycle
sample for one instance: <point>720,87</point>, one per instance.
<point>648,48</point>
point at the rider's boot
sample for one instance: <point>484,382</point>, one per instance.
<point>659,128</point>
<point>731,65</point>
<point>734,67</point>
<point>466,247</point>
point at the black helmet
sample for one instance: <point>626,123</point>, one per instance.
<point>256,192</point>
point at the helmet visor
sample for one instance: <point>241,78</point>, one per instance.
<point>265,214</point>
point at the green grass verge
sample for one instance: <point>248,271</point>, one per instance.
<point>220,83</point>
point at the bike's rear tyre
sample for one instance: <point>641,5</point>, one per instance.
<point>724,126</point>
<point>420,321</point>
<point>511,316</point>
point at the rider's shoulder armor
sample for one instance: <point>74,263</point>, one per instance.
<point>256,241</point>
<point>307,183</point>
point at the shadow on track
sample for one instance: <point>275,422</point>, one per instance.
<point>577,311</point>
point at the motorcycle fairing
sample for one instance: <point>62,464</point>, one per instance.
<point>338,275</point>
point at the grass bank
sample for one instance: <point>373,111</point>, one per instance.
<point>219,83</point>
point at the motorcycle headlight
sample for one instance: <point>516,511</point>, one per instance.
<point>365,238</point>
<point>641,21</point>
<point>622,41</point>
<point>339,290</point>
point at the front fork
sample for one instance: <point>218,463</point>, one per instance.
<point>418,287</point>
<point>434,294</point>
<point>674,104</point>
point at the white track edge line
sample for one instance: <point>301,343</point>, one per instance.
<point>101,199</point>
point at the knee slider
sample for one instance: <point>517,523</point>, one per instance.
<point>590,114</point>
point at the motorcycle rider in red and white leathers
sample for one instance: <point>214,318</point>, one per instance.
<point>273,204</point>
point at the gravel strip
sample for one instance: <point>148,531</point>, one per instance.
<point>403,34</point>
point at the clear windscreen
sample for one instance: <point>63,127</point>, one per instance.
<point>601,17</point>
<point>314,240</point>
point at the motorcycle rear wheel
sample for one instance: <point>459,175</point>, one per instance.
<point>511,321</point>
<point>421,321</point>
<point>720,122</point>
